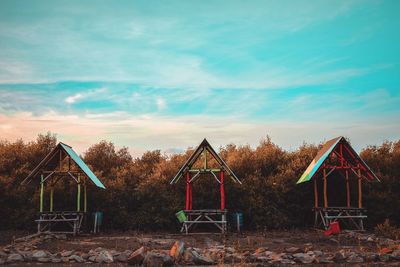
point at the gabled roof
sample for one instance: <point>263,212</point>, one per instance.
<point>327,149</point>
<point>49,162</point>
<point>204,145</point>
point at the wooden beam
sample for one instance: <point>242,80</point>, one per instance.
<point>187,191</point>
<point>41,192</point>
<point>84,198</point>
<point>222,190</point>
<point>325,190</point>
<point>78,197</point>
<point>347,188</point>
<point>315,193</point>
<point>359,189</point>
<point>51,198</point>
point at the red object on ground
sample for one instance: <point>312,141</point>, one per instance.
<point>334,228</point>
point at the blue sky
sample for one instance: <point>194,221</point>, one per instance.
<point>166,74</point>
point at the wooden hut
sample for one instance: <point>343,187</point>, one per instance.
<point>190,217</point>
<point>337,172</point>
<point>62,163</point>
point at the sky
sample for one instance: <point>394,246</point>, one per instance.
<point>166,74</point>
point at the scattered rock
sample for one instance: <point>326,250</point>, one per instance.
<point>39,254</point>
<point>137,257</point>
<point>200,259</point>
<point>303,258</point>
<point>395,254</point>
<point>339,257</point>
<point>66,253</point>
<point>55,260</point>
<point>104,257</point>
<point>354,258</point>
<point>293,250</point>
<point>122,257</point>
<point>177,250</point>
<point>384,257</point>
<point>14,257</point>
<point>77,258</point>
<point>2,261</point>
<point>44,260</point>
<point>325,259</point>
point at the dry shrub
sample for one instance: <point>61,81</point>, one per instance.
<point>387,229</point>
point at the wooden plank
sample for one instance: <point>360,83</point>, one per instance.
<point>348,189</point>
<point>41,192</point>
<point>359,190</point>
<point>315,193</point>
<point>325,190</point>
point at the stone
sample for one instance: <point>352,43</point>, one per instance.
<point>104,256</point>
<point>324,259</point>
<point>66,253</point>
<point>354,258</point>
<point>395,254</point>
<point>293,250</point>
<point>137,257</point>
<point>65,259</point>
<point>339,257</point>
<point>76,258</point>
<point>2,261</point>
<point>200,259</point>
<point>39,254</point>
<point>44,260</point>
<point>92,258</point>
<point>3,254</point>
<point>303,258</point>
<point>371,257</point>
<point>187,255</point>
<point>287,261</point>
<point>122,257</point>
<point>177,250</point>
<point>384,257</point>
<point>15,257</point>
<point>55,260</point>
<point>259,251</point>
<point>153,260</point>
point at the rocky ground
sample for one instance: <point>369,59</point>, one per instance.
<point>283,248</point>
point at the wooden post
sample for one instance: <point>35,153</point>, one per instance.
<point>359,190</point>
<point>315,193</point>
<point>41,192</point>
<point>348,188</point>
<point>325,190</point>
<point>187,191</point>
<point>84,198</point>
<point>222,190</point>
<point>205,158</point>
<point>78,197</point>
<point>51,198</point>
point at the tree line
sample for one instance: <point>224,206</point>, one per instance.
<point>139,196</point>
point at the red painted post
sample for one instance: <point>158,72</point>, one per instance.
<point>222,190</point>
<point>190,197</point>
<point>187,191</point>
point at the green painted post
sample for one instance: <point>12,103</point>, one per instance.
<point>41,192</point>
<point>51,199</point>
<point>85,198</point>
<point>78,200</point>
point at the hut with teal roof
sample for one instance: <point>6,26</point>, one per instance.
<point>337,173</point>
<point>62,164</point>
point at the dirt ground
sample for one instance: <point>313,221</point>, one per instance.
<point>275,241</point>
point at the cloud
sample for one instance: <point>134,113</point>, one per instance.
<point>72,99</point>
<point>147,132</point>
<point>161,103</point>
